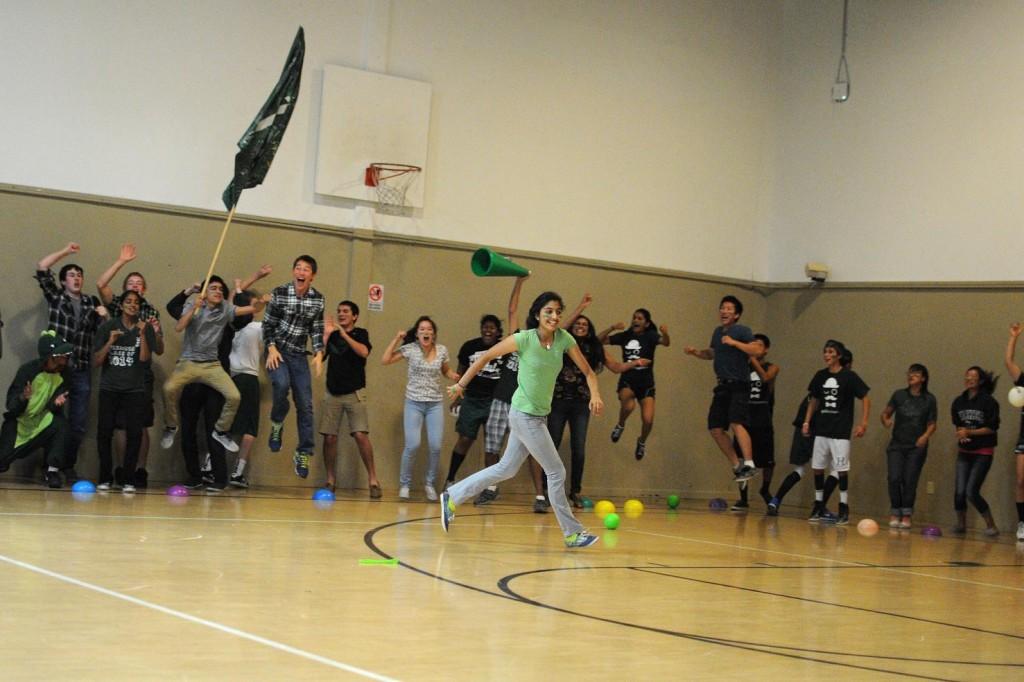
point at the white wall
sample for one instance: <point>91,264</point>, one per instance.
<point>918,176</point>
<point>633,132</point>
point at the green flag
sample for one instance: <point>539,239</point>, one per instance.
<point>261,139</point>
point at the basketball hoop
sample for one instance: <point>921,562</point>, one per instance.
<point>391,180</point>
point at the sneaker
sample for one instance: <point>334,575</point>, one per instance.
<point>274,442</point>
<point>141,479</point>
<point>829,517</point>
<point>301,462</point>
<point>894,522</point>
<point>430,492</point>
<point>53,479</point>
<point>740,506</point>
<point>816,511</point>
<point>215,488</point>
<point>641,449</point>
<point>224,438</point>
<point>206,475</point>
<point>447,510</point>
<point>403,492</point>
<point>104,485</point>
<point>375,491</point>
<point>167,440</point>
<point>905,523</point>
<point>239,481</point>
<point>577,503</point>
<point>1020,530</point>
<point>128,489</point>
<point>581,539</point>
<point>617,432</point>
<point>744,473</point>
<point>486,496</point>
<point>844,516</point>
<point>959,530</point>
<point>991,531</point>
<point>540,506</point>
<point>194,483</point>
<point>773,506</point>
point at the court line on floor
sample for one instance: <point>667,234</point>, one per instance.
<point>143,517</point>
<point>829,559</point>
<point>280,646</point>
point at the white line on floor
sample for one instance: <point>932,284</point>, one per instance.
<point>201,621</point>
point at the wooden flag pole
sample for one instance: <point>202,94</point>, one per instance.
<point>216,254</point>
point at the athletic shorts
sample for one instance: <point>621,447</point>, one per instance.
<point>121,420</point>
<point>641,388</point>
<point>473,413</point>
<point>801,449</point>
<point>497,426</point>
<point>729,405</point>
<point>762,445</point>
<point>334,408</point>
<point>831,450</point>
<point>247,418</point>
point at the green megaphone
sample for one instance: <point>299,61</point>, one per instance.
<point>487,263</point>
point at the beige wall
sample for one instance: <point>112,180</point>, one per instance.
<point>887,328</point>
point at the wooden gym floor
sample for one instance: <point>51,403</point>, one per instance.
<point>265,585</point>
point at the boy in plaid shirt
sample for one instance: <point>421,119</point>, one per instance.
<point>295,313</point>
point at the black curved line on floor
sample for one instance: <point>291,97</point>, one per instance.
<point>506,593</point>
<point>841,606</point>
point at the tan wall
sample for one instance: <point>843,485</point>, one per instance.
<point>887,328</point>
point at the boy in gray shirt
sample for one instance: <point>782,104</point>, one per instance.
<point>203,322</point>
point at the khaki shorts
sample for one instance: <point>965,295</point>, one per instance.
<point>334,408</point>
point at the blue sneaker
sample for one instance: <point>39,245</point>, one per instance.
<point>274,443</point>
<point>773,506</point>
<point>581,539</point>
<point>301,461</point>
<point>829,517</point>
<point>447,510</point>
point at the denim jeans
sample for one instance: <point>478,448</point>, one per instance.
<point>971,471</point>
<point>905,464</point>
<point>293,373</point>
<point>528,435</point>
<point>417,412</point>
<point>577,414</point>
<point>79,387</point>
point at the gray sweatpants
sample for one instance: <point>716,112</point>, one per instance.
<point>528,435</point>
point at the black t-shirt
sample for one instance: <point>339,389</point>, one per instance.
<point>980,412</point>
<point>571,384</point>
<point>346,369</point>
<point>912,414</point>
<point>762,399</point>
<point>508,379</point>
<point>483,384</point>
<point>836,394</point>
<point>123,371</point>
<point>634,347</point>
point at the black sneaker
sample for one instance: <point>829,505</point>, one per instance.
<point>141,479</point>
<point>53,479</point>
<point>744,473</point>
<point>641,449</point>
<point>195,483</point>
<point>617,433</point>
<point>486,496</point>
<point>215,488</point>
<point>206,475</point>
<point>740,506</point>
<point>773,506</point>
<point>844,515</point>
<point>816,512</point>
<point>241,481</point>
<point>540,506</point>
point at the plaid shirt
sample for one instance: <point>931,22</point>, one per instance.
<point>288,319</point>
<point>76,331</point>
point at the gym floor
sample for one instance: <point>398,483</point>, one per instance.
<point>267,584</point>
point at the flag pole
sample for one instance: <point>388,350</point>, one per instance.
<point>216,254</point>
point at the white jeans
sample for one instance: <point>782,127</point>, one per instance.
<point>528,435</point>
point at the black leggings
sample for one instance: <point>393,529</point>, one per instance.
<point>971,471</point>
